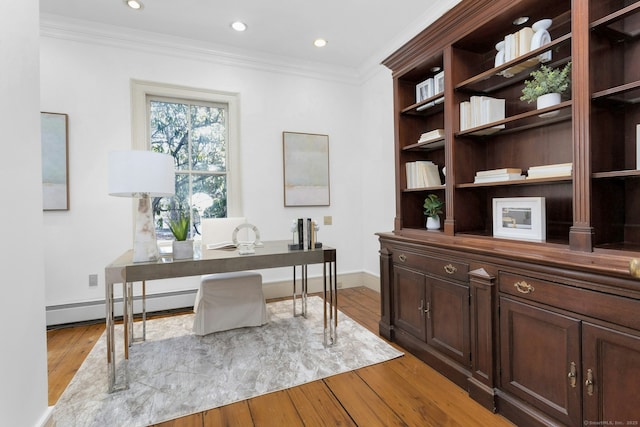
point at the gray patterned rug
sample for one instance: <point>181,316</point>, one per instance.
<point>175,373</point>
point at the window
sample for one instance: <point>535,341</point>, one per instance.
<point>197,128</point>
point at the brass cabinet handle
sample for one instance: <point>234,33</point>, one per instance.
<point>524,287</point>
<point>450,269</point>
<point>423,310</point>
<point>634,267</point>
<point>402,257</point>
<point>572,375</point>
<point>589,382</point>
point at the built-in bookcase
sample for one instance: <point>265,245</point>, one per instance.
<point>594,127</point>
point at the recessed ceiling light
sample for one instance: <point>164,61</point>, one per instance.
<point>134,4</point>
<point>239,26</point>
<point>521,20</point>
<point>319,42</point>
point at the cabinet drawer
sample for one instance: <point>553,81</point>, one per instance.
<point>533,289</point>
<point>611,308</point>
<point>435,266</point>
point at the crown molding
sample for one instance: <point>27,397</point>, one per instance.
<point>58,27</point>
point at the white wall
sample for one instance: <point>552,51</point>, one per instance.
<point>23,359</point>
<point>88,78</point>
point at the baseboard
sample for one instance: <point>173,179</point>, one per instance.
<point>95,310</point>
<point>47,418</point>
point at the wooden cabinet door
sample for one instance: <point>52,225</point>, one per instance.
<point>610,376</point>
<point>538,349</point>
<point>409,301</point>
<point>447,314</point>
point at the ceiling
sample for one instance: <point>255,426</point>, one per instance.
<point>357,31</point>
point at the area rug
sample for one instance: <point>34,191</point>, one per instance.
<point>175,373</point>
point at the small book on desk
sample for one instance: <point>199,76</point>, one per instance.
<point>221,245</point>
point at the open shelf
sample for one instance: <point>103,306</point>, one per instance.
<point>628,93</point>
<point>520,122</point>
<point>526,181</point>
<point>617,174</point>
<point>607,24</point>
<point>432,105</point>
<point>492,80</point>
<point>425,146</point>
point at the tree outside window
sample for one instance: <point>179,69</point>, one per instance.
<point>196,135</point>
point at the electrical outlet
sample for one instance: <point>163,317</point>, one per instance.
<point>93,280</point>
<point>328,220</point>
<point>339,285</point>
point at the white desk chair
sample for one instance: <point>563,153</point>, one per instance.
<point>227,300</point>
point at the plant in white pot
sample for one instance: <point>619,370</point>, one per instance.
<point>179,226</point>
<point>433,209</point>
<point>546,86</point>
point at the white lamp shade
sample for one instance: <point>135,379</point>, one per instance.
<point>135,173</point>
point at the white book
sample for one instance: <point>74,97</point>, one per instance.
<point>502,171</point>
<point>524,40</point>
<point>465,113</point>
<point>553,166</point>
<point>431,135</point>
<point>429,171</point>
<point>499,178</point>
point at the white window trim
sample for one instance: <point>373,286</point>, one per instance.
<point>140,133</point>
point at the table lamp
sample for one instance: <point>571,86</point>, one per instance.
<point>142,174</point>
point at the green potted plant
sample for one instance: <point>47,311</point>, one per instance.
<point>179,226</point>
<point>547,85</point>
<point>433,209</point>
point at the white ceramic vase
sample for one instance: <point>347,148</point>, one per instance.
<point>182,249</point>
<point>548,100</point>
<point>433,223</point>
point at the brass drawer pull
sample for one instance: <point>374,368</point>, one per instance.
<point>572,375</point>
<point>524,287</point>
<point>402,257</point>
<point>450,269</point>
<point>589,382</point>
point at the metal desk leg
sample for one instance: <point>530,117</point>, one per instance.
<point>330,318</point>
<point>303,292</point>
<point>305,287</point>
<point>111,353</point>
<point>144,314</point>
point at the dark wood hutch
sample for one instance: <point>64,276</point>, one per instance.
<point>545,333</point>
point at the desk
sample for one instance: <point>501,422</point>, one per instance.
<point>270,255</point>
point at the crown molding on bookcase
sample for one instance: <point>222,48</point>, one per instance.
<point>58,27</point>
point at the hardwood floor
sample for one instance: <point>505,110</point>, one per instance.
<point>400,392</point>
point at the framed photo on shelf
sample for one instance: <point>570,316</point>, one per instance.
<point>424,90</point>
<point>521,218</point>
<point>306,169</point>
<point>438,83</point>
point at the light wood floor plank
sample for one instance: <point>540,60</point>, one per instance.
<point>317,406</point>
<point>364,406</point>
<point>234,415</point>
<point>274,409</point>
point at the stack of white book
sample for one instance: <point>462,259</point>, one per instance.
<point>480,110</point>
<point>431,136</point>
<point>423,173</point>
<point>497,175</point>
<point>550,171</point>
<point>517,44</point>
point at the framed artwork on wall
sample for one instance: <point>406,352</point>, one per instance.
<point>521,218</point>
<point>306,169</point>
<point>55,161</point>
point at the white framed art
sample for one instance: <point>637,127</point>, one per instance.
<point>306,169</point>
<point>521,218</point>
